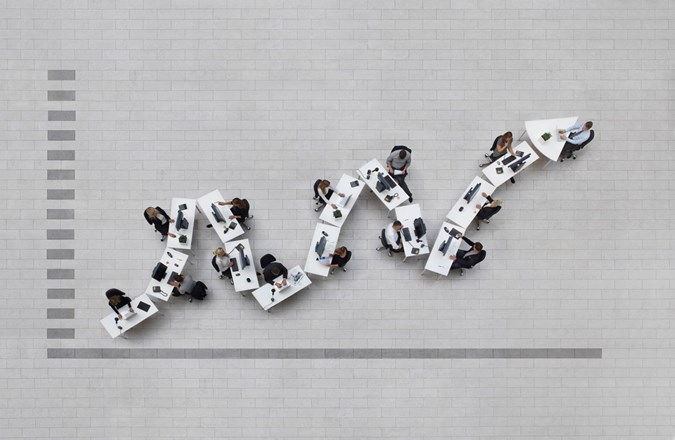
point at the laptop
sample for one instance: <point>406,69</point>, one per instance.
<point>127,315</point>
<point>344,200</point>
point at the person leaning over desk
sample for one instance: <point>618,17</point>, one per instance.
<point>272,271</point>
<point>578,134</point>
<point>118,299</point>
<point>466,259</point>
<point>489,208</point>
<point>340,257</point>
<point>240,208</point>
<point>322,194</point>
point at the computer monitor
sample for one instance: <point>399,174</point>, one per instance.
<point>217,214</point>
<point>471,193</point>
<point>383,183</point>
<point>181,221</point>
<point>320,246</point>
<point>242,257</point>
<point>445,246</point>
<point>520,162</point>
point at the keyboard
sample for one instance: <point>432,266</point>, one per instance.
<point>406,234</point>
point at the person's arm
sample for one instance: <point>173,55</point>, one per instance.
<point>284,271</point>
<point>390,160</point>
<point>579,138</point>
<point>225,202</point>
<point>323,197</point>
<point>267,275</point>
<point>467,241</point>
<point>509,146</point>
<point>215,264</point>
<point>114,308</point>
<point>336,191</point>
<point>168,217</point>
<point>408,162</point>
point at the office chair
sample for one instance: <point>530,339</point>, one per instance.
<point>581,147</point>
<point>487,155</point>
<point>197,292</point>
<point>383,241</point>
<point>401,147</point>
<point>266,259</point>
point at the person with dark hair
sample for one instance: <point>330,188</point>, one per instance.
<point>489,208</point>
<point>578,134</point>
<point>340,257</point>
<point>273,271</point>
<point>182,284</point>
<point>502,144</point>
<point>392,235</point>
<point>160,220</point>
<point>118,299</point>
<point>240,210</point>
<point>398,164</point>
<point>466,259</point>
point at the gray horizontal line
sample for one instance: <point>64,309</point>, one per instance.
<point>60,313</point>
<point>61,75</point>
<point>60,234</point>
<point>61,95</point>
<point>60,293</point>
<point>61,115</point>
<point>60,194</point>
<point>60,333</point>
<point>328,353</point>
<point>60,214</point>
<point>60,135</point>
<point>60,274</point>
<point>60,254</point>
<point>61,155</point>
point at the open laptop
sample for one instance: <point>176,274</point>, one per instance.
<point>128,315</point>
<point>344,200</point>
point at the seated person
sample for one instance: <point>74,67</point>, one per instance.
<point>240,208</point>
<point>118,299</point>
<point>222,263</point>
<point>182,284</point>
<point>400,160</point>
<point>489,208</point>
<point>502,144</point>
<point>392,235</point>
<point>466,259</point>
<point>160,220</point>
<point>273,271</point>
<point>578,134</point>
<point>322,194</point>
<point>339,258</point>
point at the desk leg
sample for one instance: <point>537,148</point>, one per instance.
<point>423,272</point>
<point>548,163</point>
<point>404,258</point>
<point>520,138</point>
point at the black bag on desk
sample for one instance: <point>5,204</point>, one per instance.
<point>420,227</point>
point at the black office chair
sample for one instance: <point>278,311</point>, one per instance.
<point>266,259</point>
<point>385,244</point>
<point>401,147</point>
<point>580,147</point>
<point>487,155</point>
<point>344,269</point>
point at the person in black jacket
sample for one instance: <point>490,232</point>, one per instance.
<point>118,299</point>
<point>273,271</point>
<point>489,208</point>
<point>160,220</point>
<point>340,257</point>
<point>466,259</point>
<point>240,208</point>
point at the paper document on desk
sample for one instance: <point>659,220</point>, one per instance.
<point>398,172</point>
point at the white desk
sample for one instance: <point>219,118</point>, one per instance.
<point>407,216</point>
<point>313,266</point>
<point>222,229</point>
<point>241,277</point>
<point>372,182</point>
<point>344,186</point>
<point>463,213</point>
<point>437,262</point>
<point>175,262</point>
<point>264,294</point>
<point>552,147</point>
<point>497,179</point>
<point>109,321</point>
<point>189,214</point>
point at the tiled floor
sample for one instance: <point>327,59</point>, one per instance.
<point>563,332</point>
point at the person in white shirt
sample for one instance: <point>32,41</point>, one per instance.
<point>578,134</point>
<point>322,194</point>
<point>222,263</point>
<point>393,237</point>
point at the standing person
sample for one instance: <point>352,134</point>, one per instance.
<point>160,220</point>
<point>322,194</point>
<point>118,299</point>
<point>578,134</point>
<point>466,259</point>
<point>222,263</point>
<point>240,210</point>
<point>398,164</point>
<point>489,208</point>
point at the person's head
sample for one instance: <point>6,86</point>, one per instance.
<point>478,246</point>
<point>116,300</point>
<point>397,225</point>
<point>179,278</point>
<point>238,203</point>
<point>588,125</point>
<point>402,154</point>
<point>496,203</point>
<point>219,252</point>
<point>324,185</point>
<point>507,137</point>
<point>275,270</point>
<point>150,211</point>
<point>341,251</point>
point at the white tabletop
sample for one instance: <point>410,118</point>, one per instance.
<point>552,147</point>
<point>214,197</point>
<point>463,213</point>
<point>313,266</point>
<point>264,294</point>
<point>240,277</point>
<point>372,182</point>
<point>407,215</point>
<point>175,262</point>
<point>437,262</point>
<point>497,179</point>
<point>109,321</point>
<point>189,214</point>
<point>344,186</point>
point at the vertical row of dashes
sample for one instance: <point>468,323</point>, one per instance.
<point>60,199</point>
